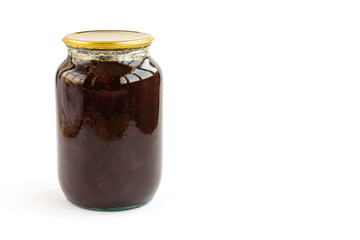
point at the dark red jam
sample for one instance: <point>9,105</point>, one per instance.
<point>109,132</point>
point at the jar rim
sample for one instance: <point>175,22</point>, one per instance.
<point>107,39</point>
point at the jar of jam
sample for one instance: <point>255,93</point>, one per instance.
<point>108,95</point>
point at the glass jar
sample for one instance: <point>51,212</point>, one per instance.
<point>109,128</point>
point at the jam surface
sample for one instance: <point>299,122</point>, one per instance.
<point>109,131</point>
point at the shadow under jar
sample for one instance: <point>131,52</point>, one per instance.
<point>108,93</point>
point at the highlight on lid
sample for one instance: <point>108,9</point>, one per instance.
<point>108,39</point>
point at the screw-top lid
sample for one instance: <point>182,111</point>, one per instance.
<point>107,39</point>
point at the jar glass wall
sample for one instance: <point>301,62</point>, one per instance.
<point>109,127</point>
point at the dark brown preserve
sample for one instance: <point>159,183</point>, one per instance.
<point>109,132</point>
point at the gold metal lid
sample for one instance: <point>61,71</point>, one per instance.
<point>107,39</point>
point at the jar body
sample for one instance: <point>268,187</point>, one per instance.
<point>109,131</point>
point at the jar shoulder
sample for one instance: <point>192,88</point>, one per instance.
<point>156,65</point>
<point>100,73</point>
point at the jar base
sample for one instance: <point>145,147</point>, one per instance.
<point>110,209</point>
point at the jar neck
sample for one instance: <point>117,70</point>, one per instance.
<point>111,55</point>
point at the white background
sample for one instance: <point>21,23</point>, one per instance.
<point>261,119</point>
